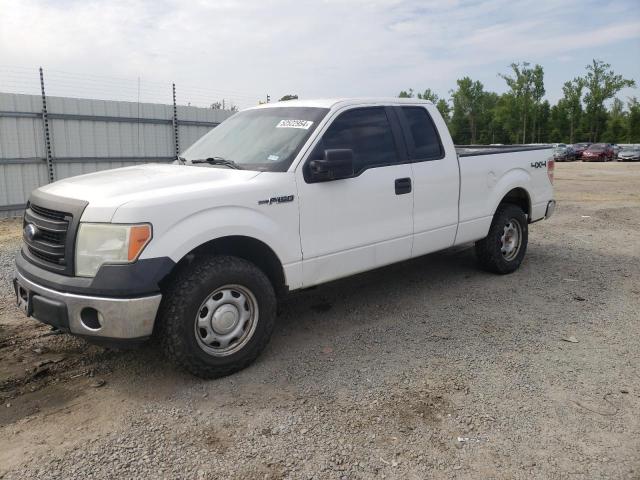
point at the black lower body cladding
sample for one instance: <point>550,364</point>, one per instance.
<point>127,280</point>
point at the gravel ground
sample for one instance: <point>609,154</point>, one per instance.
<point>425,369</point>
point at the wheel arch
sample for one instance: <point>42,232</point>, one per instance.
<point>520,197</point>
<point>241,246</point>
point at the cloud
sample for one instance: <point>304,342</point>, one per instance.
<point>242,50</point>
<point>509,41</point>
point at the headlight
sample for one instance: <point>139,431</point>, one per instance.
<point>100,243</point>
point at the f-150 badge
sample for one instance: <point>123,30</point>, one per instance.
<point>272,200</point>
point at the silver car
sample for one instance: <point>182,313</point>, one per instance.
<point>629,154</point>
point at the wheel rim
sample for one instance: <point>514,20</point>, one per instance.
<point>511,240</point>
<point>226,320</point>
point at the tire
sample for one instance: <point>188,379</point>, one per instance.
<point>209,301</point>
<point>508,219</point>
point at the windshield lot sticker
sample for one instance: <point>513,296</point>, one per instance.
<point>304,124</point>
<point>273,158</point>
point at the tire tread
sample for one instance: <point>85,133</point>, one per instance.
<point>174,315</point>
<point>487,252</point>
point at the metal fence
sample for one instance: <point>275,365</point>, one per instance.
<point>46,138</point>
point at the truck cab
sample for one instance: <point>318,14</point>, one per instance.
<point>277,198</point>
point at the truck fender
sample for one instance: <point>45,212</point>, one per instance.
<point>203,226</point>
<point>516,179</point>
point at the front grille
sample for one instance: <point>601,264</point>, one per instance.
<point>52,237</point>
<point>47,212</point>
<point>56,220</point>
<point>42,255</point>
<point>49,244</point>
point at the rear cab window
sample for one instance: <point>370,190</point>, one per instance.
<point>421,135</point>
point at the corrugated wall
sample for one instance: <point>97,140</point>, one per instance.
<point>86,136</point>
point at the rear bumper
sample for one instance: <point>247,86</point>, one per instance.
<point>104,318</point>
<point>551,207</point>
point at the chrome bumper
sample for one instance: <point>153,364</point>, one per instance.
<point>109,318</point>
<point>551,207</point>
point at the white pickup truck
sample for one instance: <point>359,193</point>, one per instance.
<point>279,197</point>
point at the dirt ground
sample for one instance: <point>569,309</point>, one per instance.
<point>425,369</point>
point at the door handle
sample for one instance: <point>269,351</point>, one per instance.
<point>403,185</point>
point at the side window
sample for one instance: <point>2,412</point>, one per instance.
<point>423,134</point>
<point>367,132</point>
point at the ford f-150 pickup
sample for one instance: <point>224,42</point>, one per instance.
<point>279,197</point>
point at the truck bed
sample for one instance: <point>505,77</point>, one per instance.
<point>488,173</point>
<point>474,150</point>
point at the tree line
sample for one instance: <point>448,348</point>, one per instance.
<point>588,111</point>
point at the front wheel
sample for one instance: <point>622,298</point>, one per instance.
<point>217,316</point>
<point>503,249</point>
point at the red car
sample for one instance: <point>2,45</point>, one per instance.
<point>579,148</point>
<point>598,152</point>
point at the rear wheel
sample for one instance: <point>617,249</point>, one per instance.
<point>217,316</point>
<point>504,248</point>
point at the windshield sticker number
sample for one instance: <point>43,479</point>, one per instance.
<point>304,124</point>
<point>273,158</point>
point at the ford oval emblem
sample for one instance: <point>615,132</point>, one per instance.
<point>30,231</point>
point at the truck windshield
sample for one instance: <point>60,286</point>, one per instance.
<point>264,139</point>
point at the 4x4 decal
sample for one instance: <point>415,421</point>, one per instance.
<point>538,164</point>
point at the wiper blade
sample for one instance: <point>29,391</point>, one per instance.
<point>218,161</point>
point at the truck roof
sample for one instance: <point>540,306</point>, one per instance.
<point>343,102</point>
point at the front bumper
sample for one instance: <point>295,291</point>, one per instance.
<point>105,318</point>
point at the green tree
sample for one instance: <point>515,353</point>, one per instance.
<point>467,107</point>
<point>522,114</point>
<point>507,119</point>
<point>633,121</point>
<point>488,127</point>
<point>572,91</point>
<point>559,122</point>
<point>429,95</point>
<point>616,123</point>
<point>537,93</point>
<point>527,87</point>
<point>602,84</point>
<point>444,109</point>
<point>544,120</point>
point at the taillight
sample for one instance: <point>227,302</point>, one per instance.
<point>551,165</point>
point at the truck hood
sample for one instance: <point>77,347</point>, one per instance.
<point>107,190</point>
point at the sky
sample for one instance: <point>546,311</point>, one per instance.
<point>243,50</point>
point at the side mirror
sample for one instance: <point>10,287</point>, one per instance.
<point>337,164</point>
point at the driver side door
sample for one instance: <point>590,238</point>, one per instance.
<point>365,221</point>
